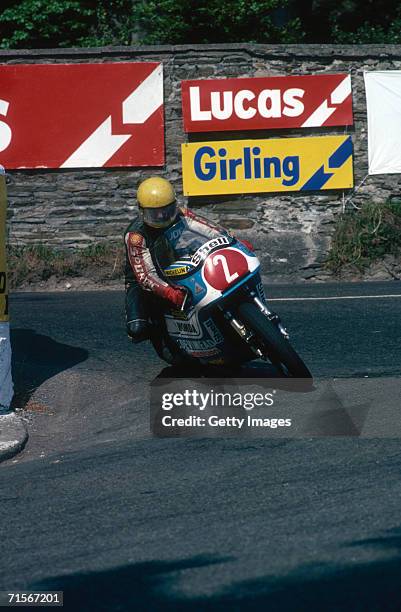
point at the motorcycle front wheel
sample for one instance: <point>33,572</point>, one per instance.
<point>275,346</point>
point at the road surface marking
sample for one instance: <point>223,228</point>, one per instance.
<point>335,297</point>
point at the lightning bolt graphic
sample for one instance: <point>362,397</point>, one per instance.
<point>317,181</point>
<point>323,112</point>
<point>102,144</point>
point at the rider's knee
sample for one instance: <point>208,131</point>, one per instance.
<point>138,330</point>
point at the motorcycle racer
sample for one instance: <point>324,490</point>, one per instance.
<point>158,211</point>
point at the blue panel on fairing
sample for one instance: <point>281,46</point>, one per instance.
<point>196,286</point>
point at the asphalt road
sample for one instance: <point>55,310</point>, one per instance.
<point>121,521</point>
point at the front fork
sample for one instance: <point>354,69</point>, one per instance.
<point>270,315</point>
<point>242,331</point>
<point>247,335</point>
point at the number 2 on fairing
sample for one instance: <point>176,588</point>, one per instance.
<point>221,258</point>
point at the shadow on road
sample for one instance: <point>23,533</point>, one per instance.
<point>246,374</point>
<point>363,587</point>
<point>332,418</point>
<point>35,359</point>
<point>209,371</point>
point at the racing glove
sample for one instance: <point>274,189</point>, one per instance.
<point>248,245</point>
<point>176,296</point>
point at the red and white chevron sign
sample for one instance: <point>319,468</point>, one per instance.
<point>81,115</point>
<point>267,102</point>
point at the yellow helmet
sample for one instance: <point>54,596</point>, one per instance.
<point>157,202</point>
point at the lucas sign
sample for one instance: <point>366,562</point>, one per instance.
<point>81,115</point>
<point>265,103</point>
<point>252,166</point>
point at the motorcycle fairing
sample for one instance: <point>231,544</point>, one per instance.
<point>198,330</point>
<point>203,339</point>
<point>212,294</point>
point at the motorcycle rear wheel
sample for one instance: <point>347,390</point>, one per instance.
<point>275,345</point>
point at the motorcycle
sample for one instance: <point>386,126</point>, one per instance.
<point>225,319</point>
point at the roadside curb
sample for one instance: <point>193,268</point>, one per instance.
<point>13,435</point>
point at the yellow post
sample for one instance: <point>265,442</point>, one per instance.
<point>6,384</point>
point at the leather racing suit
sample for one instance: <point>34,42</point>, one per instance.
<point>142,282</point>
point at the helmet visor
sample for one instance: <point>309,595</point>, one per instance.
<point>160,217</point>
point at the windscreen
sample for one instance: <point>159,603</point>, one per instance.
<point>180,243</point>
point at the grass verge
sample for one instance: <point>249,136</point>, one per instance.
<point>31,264</point>
<point>364,236</point>
<point>361,237</point>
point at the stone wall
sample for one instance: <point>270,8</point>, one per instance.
<point>75,208</point>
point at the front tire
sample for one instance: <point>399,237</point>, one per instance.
<point>274,344</point>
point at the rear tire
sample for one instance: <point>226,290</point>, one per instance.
<point>275,345</point>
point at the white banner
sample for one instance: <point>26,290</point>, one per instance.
<point>383,98</point>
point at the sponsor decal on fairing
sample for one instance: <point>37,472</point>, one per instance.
<point>185,329</point>
<point>208,247</point>
<point>179,271</point>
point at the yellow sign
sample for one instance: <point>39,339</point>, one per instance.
<point>3,269</point>
<point>277,164</point>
